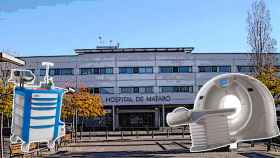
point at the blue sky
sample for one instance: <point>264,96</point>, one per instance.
<point>44,27</point>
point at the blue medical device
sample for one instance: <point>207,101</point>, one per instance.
<point>36,114</point>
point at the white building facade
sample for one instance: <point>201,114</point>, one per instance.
<point>139,86</point>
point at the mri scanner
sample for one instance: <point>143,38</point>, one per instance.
<point>228,109</point>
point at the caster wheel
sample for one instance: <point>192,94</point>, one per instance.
<point>13,139</point>
<point>51,144</point>
<point>25,147</point>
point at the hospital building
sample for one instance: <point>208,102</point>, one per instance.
<point>139,86</point>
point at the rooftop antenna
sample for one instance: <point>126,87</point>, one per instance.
<point>100,40</point>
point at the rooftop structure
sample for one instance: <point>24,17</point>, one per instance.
<point>4,57</point>
<point>133,50</point>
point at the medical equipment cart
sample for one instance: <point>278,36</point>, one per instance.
<point>36,116</point>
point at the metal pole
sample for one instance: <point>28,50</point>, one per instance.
<point>73,126</point>
<point>76,124</point>
<point>163,116</point>
<point>167,133</point>
<point>2,143</point>
<point>76,76</point>
<point>90,130</point>
<point>113,111</point>
<point>107,134</point>
<point>80,133</point>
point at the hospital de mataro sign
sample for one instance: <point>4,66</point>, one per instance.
<point>136,99</point>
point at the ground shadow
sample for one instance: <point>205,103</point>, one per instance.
<point>255,155</point>
<point>150,154</point>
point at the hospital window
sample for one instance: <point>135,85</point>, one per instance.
<point>96,71</point>
<point>176,89</point>
<point>136,70</point>
<point>241,68</point>
<point>101,90</point>
<point>144,89</point>
<point>57,71</point>
<point>224,68</point>
<point>175,69</point>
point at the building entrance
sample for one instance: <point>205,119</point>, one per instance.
<point>137,120</point>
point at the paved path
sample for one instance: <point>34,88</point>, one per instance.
<point>149,148</point>
<point>146,146</point>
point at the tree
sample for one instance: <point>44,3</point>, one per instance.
<point>5,73</point>
<point>259,36</point>
<point>81,104</point>
<point>262,45</point>
<point>6,90</point>
<point>6,99</point>
<point>86,104</point>
<point>272,81</point>
<point>68,106</point>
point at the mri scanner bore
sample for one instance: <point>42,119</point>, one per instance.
<point>228,109</point>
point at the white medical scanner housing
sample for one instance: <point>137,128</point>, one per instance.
<point>228,109</point>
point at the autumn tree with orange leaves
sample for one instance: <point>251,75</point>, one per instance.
<point>86,105</point>
<point>6,91</point>
<point>6,99</point>
<point>270,78</point>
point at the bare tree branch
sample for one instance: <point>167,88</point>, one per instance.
<point>259,39</point>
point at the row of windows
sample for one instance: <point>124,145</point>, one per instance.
<point>226,68</point>
<point>246,68</point>
<point>176,89</point>
<point>146,89</point>
<point>136,70</point>
<point>102,90</point>
<point>175,69</point>
<point>96,71</point>
<point>57,71</point>
<point>142,89</point>
<point>144,70</point>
